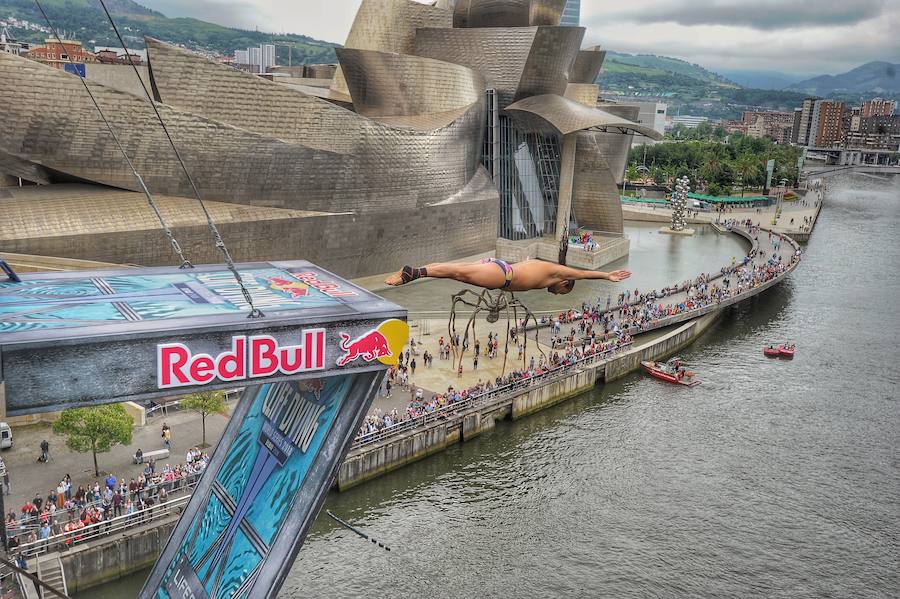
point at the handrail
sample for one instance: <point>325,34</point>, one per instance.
<point>104,528</point>
<point>479,399</point>
<point>115,524</point>
<point>444,411</point>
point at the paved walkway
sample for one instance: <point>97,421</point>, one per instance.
<point>27,476</point>
<point>791,211</point>
<point>427,332</point>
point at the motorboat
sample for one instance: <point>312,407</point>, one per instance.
<point>786,351</point>
<point>672,371</point>
<point>772,351</point>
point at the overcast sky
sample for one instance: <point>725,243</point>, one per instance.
<point>793,36</point>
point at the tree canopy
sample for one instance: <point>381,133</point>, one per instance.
<point>95,429</point>
<point>206,403</point>
<point>740,160</point>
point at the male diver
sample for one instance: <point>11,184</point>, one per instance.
<point>492,273</point>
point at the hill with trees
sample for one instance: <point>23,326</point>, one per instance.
<point>85,21</point>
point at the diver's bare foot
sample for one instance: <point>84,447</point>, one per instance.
<point>395,279</point>
<point>406,275</point>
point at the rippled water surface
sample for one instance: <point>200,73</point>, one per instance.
<point>771,479</point>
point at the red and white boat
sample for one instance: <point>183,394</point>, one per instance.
<point>786,351</point>
<point>772,351</point>
<point>672,371</point>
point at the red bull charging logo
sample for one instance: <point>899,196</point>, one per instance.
<point>295,289</point>
<point>382,343</point>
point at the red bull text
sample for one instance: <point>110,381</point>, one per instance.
<point>250,357</point>
<point>369,346</point>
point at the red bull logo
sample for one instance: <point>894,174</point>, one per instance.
<point>382,343</point>
<point>369,347</point>
<point>295,289</point>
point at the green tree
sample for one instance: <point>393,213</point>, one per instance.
<point>205,403</point>
<point>96,429</point>
<point>632,173</point>
<point>748,167</point>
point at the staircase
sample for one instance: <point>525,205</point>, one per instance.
<point>50,571</point>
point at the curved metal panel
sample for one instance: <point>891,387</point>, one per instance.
<point>615,146</point>
<point>552,55</point>
<point>361,166</point>
<point>492,13</point>
<point>505,13</point>
<point>390,26</point>
<point>546,12</point>
<point>383,84</point>
<point>595,195</point>
<point>551,113</point>
<point>500,55</point>
<point>587,65</point>
<point>583,93</point>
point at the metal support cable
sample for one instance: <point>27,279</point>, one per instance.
<point>185,263</point>
<point>214,231</point>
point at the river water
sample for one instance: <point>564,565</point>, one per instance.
<point>771,479</point>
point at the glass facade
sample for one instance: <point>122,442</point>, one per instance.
<point>525,168</point>
<point>572,14</point>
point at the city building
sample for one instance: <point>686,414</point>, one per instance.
<point>449,130</point>
<point>806,114</point>
<point>795,127</point>
<point>57,55</point>
<point>9,44</point>
<point>111,56</point>
<point>874,133</point>
<point>256,59</point>
<point>877,107</point>
<point>571,14</point>
<point>777,126</point>
<point>826,127</point>
<point>691,122</point>
<point>653,115</point>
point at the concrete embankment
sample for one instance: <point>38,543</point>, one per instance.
<point>97,562</point>
<point>110,558</point>
<point>373,460</point>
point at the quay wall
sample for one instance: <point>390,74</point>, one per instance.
<point>658,349</point>
<point>114,557</point>
<point>376,459</point>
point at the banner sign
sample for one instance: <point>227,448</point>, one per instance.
<point>89,337</point>
<point>262,490</point>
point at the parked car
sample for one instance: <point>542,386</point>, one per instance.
<point>5,436</point>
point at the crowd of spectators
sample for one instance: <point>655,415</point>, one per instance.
<point>66,509</point>
<point>597,327</point>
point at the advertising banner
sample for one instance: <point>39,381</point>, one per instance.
<point>91,337</point>
<point>262,489</point>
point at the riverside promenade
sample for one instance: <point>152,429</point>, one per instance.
<point>405,442</point>
<point>795,219</point>
<point>113,553</point>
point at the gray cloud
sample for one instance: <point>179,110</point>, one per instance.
<point>762,14</point>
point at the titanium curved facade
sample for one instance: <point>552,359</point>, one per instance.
<point>445,125</point>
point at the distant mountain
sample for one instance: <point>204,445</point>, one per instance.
<point>873,78</point>
<point>85,21</point>
<point>772,80</point>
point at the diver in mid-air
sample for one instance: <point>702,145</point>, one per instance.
<point>492,273</point>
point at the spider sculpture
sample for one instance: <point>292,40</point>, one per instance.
<point>492,302</point>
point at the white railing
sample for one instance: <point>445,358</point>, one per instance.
<point>481,399</point>
<point>116,524</point>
